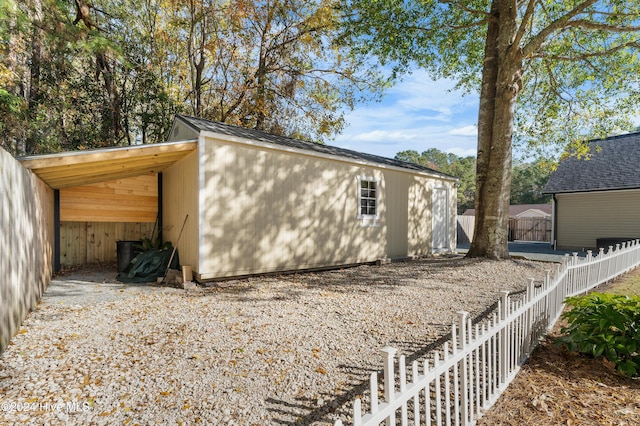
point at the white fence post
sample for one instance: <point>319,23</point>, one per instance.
<point>464,383</point>
<point>480,365</point>
<point>388,354</point>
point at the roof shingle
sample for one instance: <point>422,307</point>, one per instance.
<point>615,166</point>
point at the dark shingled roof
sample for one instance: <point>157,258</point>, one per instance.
<point>615,166</point>
<point>257,135</point>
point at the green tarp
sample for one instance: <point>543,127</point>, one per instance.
<point>148,266</point>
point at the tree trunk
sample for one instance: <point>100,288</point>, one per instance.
<point>500,86</point>
<point>34,95</point>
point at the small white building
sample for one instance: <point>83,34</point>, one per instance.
<point>264,203</point>
<point>256,203</point>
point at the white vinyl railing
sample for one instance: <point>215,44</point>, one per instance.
<point>465,377</point>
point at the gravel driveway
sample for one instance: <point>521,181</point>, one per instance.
<point>284,350</point>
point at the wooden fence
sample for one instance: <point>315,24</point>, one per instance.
<point>26,243</point>
<point>465,377</point>
<point>530,229</point>
<point>520,229</point>
<point>465,228</point>
<point>89,242</point>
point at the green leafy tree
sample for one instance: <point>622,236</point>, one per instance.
<point>547,72</point>
<point>78,74</point>
<point>464,168</point>
<point>528,181</point>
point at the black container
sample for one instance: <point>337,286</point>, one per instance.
<point>126,251</point>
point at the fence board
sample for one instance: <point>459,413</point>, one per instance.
<point>90,242</point>
<point>520,229</point>
<point>492,356</point>
<point>464,229</point>
<point>530,229</point>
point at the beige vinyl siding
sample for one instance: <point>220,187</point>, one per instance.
<point>181,132</point>
<point>266,210</point>
<point>180,194</point>
<point>584,217</point>
<point>397,194</point>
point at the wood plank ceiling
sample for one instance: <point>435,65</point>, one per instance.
<point>76,168</point>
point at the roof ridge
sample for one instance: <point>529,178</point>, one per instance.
<point>244,132</point>
<point>611,168</point>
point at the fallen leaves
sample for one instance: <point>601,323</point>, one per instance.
<point>554,388</point>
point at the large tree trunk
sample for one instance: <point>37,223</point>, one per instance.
<point>500,86</point>
<point>112,120</point>
<point>34,95</point>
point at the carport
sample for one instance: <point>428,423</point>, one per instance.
<point>105,195</point>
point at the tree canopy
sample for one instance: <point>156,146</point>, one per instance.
<point>528,178</point>
<point>464,168</point>
<point>87,73</point>
<point>547,72</point>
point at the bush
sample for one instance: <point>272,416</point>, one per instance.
<point>605,325</point>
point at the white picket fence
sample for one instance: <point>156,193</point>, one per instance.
<point>469,373</point>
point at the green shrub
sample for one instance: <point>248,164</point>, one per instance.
<point>606,325</point>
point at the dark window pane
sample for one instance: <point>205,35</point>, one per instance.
<point>364,184</point>
<point>372,210</point>
<point>372,185</point>
<point>372,203</point>
<point>363,210</point>
<point>372,194</point>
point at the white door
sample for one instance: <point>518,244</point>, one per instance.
<point>440,219</point>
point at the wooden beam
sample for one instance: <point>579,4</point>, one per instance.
<point>115,165</point>
<point>108,154</point>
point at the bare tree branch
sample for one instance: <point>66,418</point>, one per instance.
<point>599,26</point>
<point>537,41</point>
<point>526,20</point>
<point>586,55</point>
<point>466,8</point>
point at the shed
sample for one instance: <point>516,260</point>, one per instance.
<point>597,197</point>
<point>256,203</point>
<point>521,210</point>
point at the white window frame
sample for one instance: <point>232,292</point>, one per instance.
<point>368,219</point>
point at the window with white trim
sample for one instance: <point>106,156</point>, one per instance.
<point>368,190</point>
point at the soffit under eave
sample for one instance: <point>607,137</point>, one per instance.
<point>86,167</point>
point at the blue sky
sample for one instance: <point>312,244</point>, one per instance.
<point>417,113</point>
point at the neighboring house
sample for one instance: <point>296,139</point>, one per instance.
<point>522,210</point>
<point>527,222</point>
<point>256,203</point>
<point>597,199</point>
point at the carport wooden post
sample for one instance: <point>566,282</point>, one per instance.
<point>56,231</point>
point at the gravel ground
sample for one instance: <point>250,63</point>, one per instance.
<point>284,350</point>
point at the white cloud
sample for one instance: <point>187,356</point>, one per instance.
<point>416,114</point>
<point>465,131</point>
<point>384,135</point>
